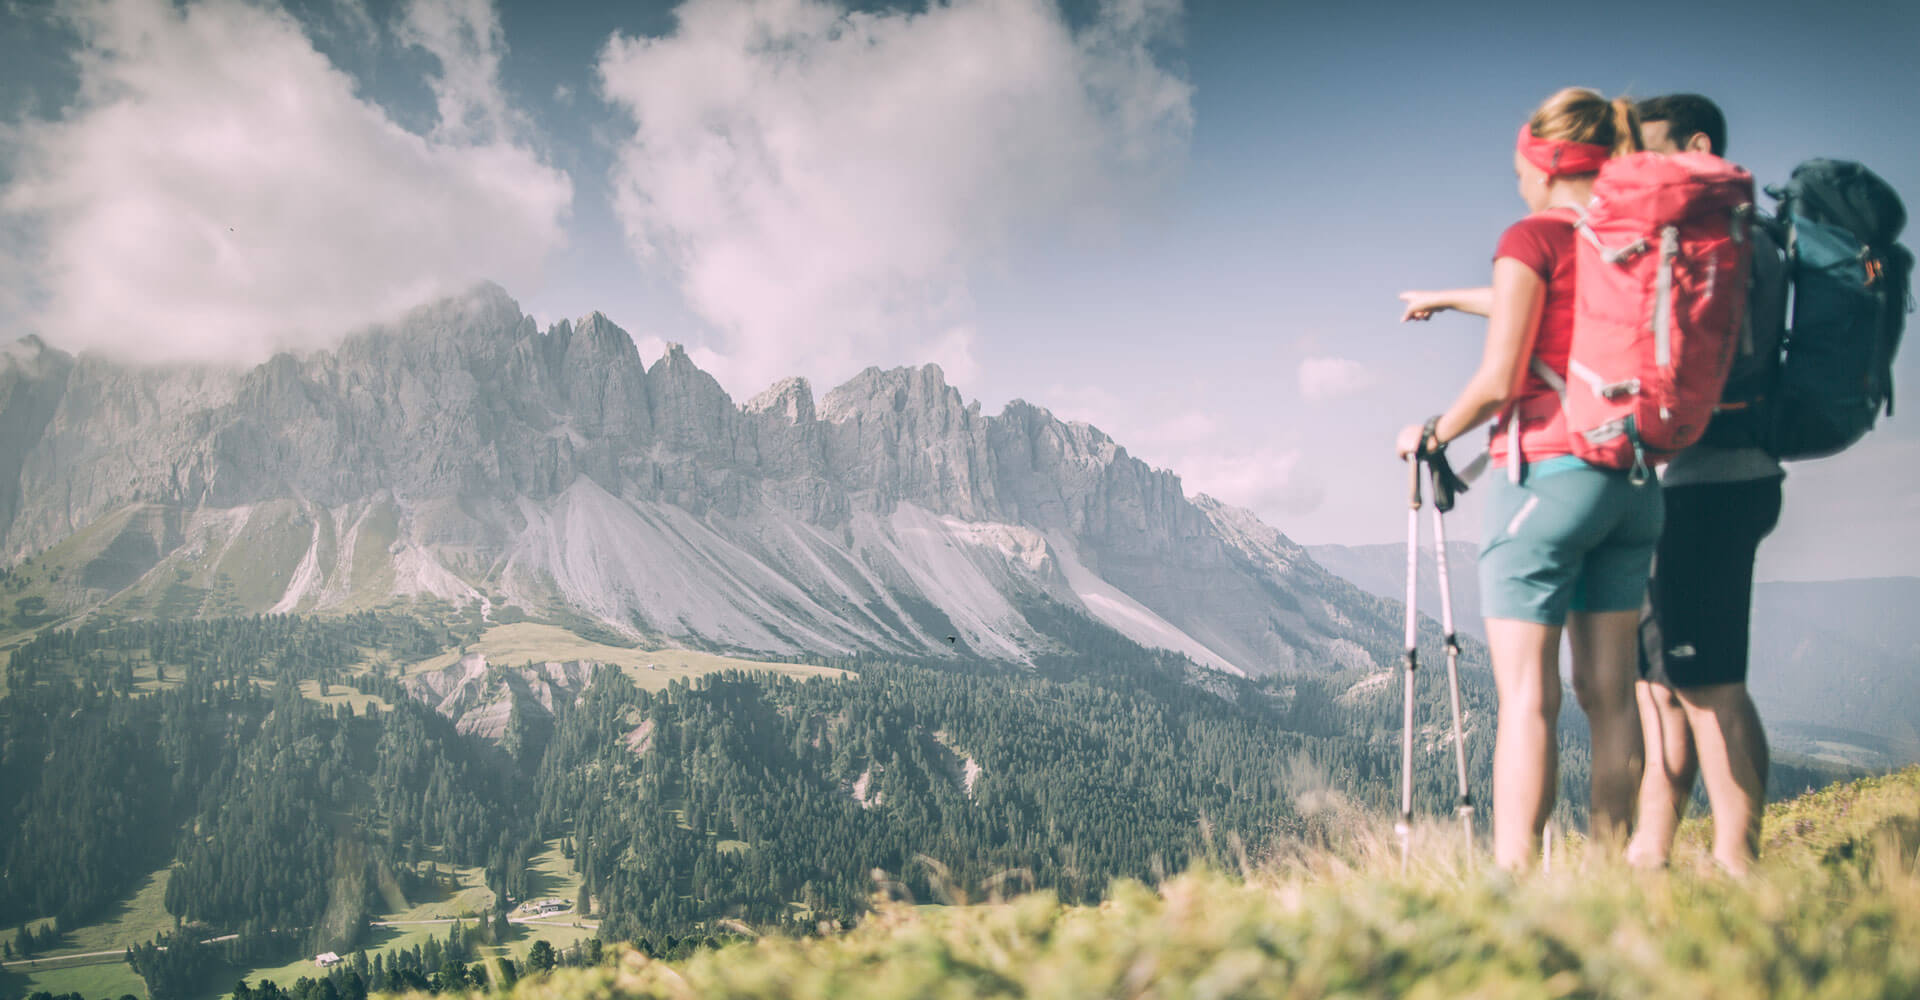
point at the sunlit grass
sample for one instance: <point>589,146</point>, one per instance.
<point>551,875</point>
<point>1832,911</point>
<point>105,978</point>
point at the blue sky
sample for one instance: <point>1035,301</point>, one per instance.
<point>1183,223</point>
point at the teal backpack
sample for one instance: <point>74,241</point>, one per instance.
<point>1851,283</point>
<point>1743,418</point>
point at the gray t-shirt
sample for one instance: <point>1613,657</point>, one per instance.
<point>1700,465</point>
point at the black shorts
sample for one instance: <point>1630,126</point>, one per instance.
<point>1693,631</point>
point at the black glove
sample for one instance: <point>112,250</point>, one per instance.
<point>1445,483</point>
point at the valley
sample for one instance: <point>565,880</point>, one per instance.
<point>461,615</point>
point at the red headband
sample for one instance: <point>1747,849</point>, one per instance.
<point>1560,158</point>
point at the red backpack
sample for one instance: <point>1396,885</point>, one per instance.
<point>1660,299</point>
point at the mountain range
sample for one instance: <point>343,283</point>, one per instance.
<point>462,455</point>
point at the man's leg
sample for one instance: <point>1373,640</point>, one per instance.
<point>1526,670</point>
<point>1702,596</point>
<point>1670,771</point>
<point>1733,761</point>
<point>1606,656</point>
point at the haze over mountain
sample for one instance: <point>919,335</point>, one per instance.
<point>464,455</point>
<point>1382,570</point>
<point>1833,662</point>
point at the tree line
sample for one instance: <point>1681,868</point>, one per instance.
<point>742,801</point>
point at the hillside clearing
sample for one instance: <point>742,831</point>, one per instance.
<point>530,642</point>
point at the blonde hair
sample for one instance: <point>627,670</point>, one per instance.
<point>1577,114</point>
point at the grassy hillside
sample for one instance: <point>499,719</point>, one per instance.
<point>1822,917</point>
<point>650,669</point>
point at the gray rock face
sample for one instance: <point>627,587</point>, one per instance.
<point>481,698</point>
<point>462,453</point>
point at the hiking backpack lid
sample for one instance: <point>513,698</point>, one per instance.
<point>1660,295</point>
<point>1845,194</point>
<point>1851,286</point>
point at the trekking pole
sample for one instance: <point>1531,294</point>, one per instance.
<point>1405,827</point>
<point>1445,484</point>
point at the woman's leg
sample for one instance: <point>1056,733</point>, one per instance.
<point>1526,670</point>
<point>1606,662</point>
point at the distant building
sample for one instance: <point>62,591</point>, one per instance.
<point>326,960</point>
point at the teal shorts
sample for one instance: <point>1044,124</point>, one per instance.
<point>1571,537</point>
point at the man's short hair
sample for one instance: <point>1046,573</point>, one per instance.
<point>1686,115</point>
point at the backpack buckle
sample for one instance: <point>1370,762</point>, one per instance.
<point>1625,253</point>
<point>1630,387</point>
<point>1608,431</point>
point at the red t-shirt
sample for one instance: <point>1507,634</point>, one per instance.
<point>1544,243</point>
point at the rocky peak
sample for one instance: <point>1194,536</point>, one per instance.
<point>691,412</point>
<point>602,381</point>
<point>30,357</point>
<point>1049,435</point>
<point>790,400</point>
<point>908,434</point>
<point>478,329</point>
<point>915,393</point>
<point>1244,528</point>
<point>603,336</point>
<point>484,312</point>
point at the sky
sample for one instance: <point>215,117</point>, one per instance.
<point>1185,223</point>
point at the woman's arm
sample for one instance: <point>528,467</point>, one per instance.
<point>1516,300</point>
<point>1422,305</point>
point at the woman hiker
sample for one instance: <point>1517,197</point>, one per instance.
<point>1567,545</point>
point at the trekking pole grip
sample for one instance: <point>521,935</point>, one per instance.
<point>1413,480</point>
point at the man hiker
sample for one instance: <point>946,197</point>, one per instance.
<point>1722,498</point>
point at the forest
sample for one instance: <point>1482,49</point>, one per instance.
<point>744,803</point>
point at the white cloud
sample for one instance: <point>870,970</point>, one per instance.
<point>1185,428</point>
<point>218,191</point>
<point>351,19</point>
<point>953,351</point>
<point>820,181</point>
<point>1088,404</point>
<point>1142,425</point>
<point>464,36</point>
<point>1266,480</point>
<point>1211,457</point>
<point>1332,378</point>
